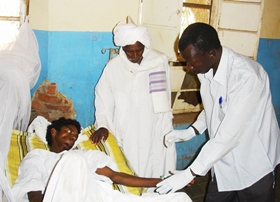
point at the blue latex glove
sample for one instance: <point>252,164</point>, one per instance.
<point>175,182</point>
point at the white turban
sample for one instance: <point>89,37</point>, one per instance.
<point>128,34</point>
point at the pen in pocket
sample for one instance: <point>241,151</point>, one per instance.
<point>220,101</point>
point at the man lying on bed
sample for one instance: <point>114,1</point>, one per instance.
<point>68,175</point>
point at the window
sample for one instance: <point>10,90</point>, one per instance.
<point>12,15</point>
<point>195,11</point>
<point>185,94</point>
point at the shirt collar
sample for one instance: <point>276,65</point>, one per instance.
<point>220,75</point>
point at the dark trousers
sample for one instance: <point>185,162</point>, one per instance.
<point>261,191</point>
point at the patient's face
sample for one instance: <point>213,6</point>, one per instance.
<point>65,138</point>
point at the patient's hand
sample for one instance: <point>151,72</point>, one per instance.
<point>35,196</point>
<point>98,135</point>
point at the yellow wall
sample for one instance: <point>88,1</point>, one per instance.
<point>81,15</point>
<point>271,20</point>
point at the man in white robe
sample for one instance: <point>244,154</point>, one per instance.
<point>68,175</point>
<point>132,101</point>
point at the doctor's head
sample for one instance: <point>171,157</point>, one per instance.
<point>200,47</point>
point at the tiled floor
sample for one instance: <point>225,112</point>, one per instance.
<point>197,191</point>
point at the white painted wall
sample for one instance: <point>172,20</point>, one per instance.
<point>81,15</point>
<point>238,23</point>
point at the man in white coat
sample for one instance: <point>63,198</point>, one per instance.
<point>244,146</point>
<point>132,101</point>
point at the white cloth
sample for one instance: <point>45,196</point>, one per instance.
<point>124,106</point>
<point>39,126</point>
<point>74,179</point>
<point>159,90</point>
<point>244,142</point>
<point>36,167</point>
<point>20,67</point>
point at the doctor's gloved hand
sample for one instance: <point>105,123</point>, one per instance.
<point>175,182</point>
<point>178,136</point>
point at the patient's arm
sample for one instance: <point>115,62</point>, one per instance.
<point>98,135</point>
<point>127,180</point>
<point>35,196</point>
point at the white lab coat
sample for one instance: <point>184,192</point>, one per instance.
<point>244,143</point>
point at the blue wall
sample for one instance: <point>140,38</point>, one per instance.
<point>42,38</point>
<point>269,57</point>
<point>74,61</point>
<point>186,151</point>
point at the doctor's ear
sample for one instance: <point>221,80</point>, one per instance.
<point>212,53</point>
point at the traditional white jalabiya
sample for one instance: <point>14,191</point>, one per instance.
<point>70,176</point>
<point>244,143</point>
<point>125,105</point>
<point>20,67</point>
